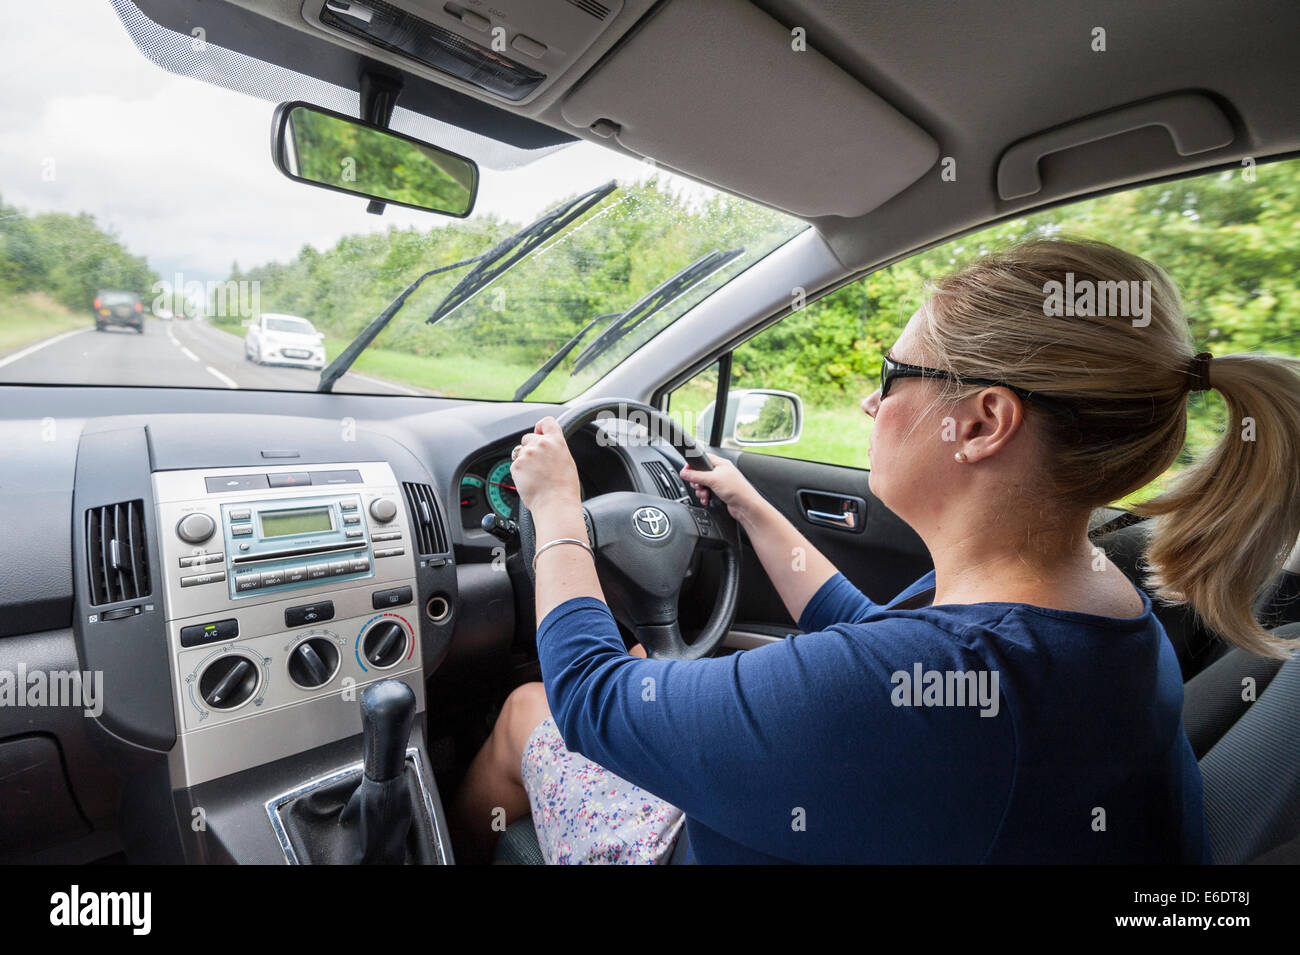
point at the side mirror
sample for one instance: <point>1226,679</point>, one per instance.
<point>756,417</point>
<point>333,151</point>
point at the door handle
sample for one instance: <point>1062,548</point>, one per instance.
<point>846,519</point>
<point>844,512</point>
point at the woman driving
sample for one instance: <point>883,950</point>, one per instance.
<point>1018,704</point>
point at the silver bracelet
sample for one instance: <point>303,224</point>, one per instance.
<point>559,540</point>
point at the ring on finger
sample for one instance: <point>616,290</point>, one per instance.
<point>514,453</point>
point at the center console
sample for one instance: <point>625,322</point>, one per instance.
<point>289,594</point>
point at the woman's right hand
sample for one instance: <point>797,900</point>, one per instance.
<point>727,484</point>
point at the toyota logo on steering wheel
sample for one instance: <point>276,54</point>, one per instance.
<point>650,522</point>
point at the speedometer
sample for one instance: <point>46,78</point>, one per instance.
<point>501,493</point>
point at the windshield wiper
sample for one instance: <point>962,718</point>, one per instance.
<point>537,377</point>
<point>659,297</point>
<point>491,265</point>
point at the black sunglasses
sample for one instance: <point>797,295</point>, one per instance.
<point>891,370</point>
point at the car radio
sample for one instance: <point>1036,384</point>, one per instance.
<point>273,546</point>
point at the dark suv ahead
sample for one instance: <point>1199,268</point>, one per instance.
<point>119,308</point>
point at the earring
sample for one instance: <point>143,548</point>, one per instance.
<point>961,457</point>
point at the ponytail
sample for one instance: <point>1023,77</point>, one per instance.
<point>1225,527</point>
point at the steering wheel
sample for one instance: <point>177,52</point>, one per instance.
<point>644,543</point>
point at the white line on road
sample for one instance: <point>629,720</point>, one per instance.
<point>387,384</point>
<point>224,379</point>
<point>39,345</point>
<point>189,354</point>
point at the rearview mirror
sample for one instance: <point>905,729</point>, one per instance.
<point>327,149</point>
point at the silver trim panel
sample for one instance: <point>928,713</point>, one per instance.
<point>275,802</point>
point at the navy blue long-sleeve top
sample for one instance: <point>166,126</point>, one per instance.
<point>965,733</point>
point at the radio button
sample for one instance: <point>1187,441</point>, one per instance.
<point>309,613</point>
<point>351,518</point>
<point>348,505</point>
<point>358,565</point>
<point>338,567</point>
<point>191,561</point>
<point>353,534</point>
<point>390,552</point>
<point>391,598</point>
<point>209,578</point>
<point>293,575</point>
<point>272,578</point>
<point>201,633</point>
<point>241,514</point>
<point>383,510</point>
<point>317,571</point>
<point>235,482</point>
<point>245,582</point>
<point>389,536</point>
<point>291,479</point>
<point>241,530</point>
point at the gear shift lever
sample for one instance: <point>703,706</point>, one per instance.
<point>387,711</point>
<point>378,816</point>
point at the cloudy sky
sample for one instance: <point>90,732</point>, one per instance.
<point>181,170</point>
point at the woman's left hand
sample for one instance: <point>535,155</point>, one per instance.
<point>543,470</point>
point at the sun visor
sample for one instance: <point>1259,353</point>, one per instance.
<point>720,91</point>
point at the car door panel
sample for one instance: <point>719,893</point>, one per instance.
<point>881,554</point>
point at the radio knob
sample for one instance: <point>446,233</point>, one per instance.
<point>383,510</point>
<point>196,528</point>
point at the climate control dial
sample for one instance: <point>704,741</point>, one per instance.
<point>229,682</point>
<point>313,662</point>
<point>384,644</point>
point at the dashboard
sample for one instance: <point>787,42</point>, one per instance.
<point>237,565</point>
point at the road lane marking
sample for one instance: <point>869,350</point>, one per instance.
<point>386,384</point>
<point>224,379</point>
<point>189,354</point>
<point>32,349</point>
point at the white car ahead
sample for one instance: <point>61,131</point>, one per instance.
<point>285,340</point>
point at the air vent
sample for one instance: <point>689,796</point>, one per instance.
<point>116,554</point>
<point>427,528</point>
<point>668,484</point>
<point>597,10</point>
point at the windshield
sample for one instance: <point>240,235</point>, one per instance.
<point>122,175</point>
<point>295,326</point>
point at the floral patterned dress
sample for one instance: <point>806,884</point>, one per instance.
<point>584,814</point>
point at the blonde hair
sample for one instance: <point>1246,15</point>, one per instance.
<point>1224,527</point>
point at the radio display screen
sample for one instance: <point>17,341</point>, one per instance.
<point>302,520</point>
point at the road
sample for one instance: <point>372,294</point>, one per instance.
<point>186,354</point>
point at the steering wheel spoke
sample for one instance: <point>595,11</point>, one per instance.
<point>664,641</point>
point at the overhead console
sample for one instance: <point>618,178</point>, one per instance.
<point>512,50</point>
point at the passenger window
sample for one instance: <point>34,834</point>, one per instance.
<point>1225,238</point>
